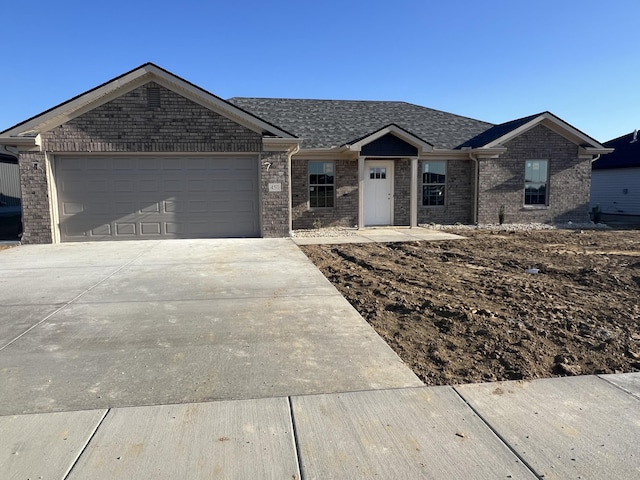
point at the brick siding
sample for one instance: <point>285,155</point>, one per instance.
<point>127,124</point>
<point>36,218</point>
<point>345,212</point>
<point>275,205</point>
<point>458,195</point>
<point>502,180</point>
<point>401,191</point>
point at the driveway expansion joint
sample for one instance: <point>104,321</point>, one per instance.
<point>47,317</point>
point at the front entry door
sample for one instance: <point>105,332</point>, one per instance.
<point>378,192</point>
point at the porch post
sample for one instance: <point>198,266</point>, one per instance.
<point>360,192</point>
<point>413,194</point>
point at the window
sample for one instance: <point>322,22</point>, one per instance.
<point>434,175</point>
<point>321,185</point>
<point>379,173</point>
<point>535,182</point>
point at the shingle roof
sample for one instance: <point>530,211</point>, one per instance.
<point>329,123</point>
<point>625,155</point>
<point>497,131</point>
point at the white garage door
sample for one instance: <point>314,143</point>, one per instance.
<point>128,198</point>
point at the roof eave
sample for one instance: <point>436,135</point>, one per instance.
<point>18,141</point>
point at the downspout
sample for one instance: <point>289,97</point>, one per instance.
<point>596,158</point>
<point>476,182</point>
<point>295,150</point>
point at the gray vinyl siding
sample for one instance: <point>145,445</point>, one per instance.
<point>9,185</point>
<point>608,190</point>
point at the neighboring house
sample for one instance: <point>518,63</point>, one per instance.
<point>9,184</point>
<point>615,180</point>
<point>150,155</point>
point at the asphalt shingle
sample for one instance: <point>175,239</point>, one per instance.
<point>331,123</point>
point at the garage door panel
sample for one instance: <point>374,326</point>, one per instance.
<point>101,230</point>
<point>171,185</point>
<point>149,163</point>
<point>98,186</point>
<point>125,228</point>
<point>122,198</point>
<point>150,229</point>
<point>70,208</point>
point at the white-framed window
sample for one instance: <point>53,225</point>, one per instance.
<point>536,180</point>
<point>434,183</point>
<point>322,184</point>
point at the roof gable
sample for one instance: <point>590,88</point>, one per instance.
<point>390,140</point>
<point>500,134</point>
<point>129,81</point>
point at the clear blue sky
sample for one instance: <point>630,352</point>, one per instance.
<point>494,60</point>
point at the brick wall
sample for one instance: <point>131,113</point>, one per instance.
<point>502,180</point>
<point>36,218</point>
<point>127,124</point>
<point>345,212</point>
<point>402,192</point>
<point>458,195</point>
<point>274,169</point>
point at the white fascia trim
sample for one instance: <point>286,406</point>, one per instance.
<point>18,141</point>
<point>72,109</point>
<point>334,153</point>
<point>398,132</point>
<point>217,105</point>
<point>344,153</point>
<point>444,154</point>
<point>289,144</point>
<point>552,122</point>
<point>129,82</point>
<point>597,151</point>
<point>593,153</point>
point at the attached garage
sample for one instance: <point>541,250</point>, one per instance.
<point>147,197</point>
<point>149,155</point>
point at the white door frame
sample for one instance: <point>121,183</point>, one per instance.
<point>389,164</point>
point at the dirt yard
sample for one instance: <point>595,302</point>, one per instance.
<point>464,311</point>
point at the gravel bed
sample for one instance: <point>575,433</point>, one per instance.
<point>507,227</point>
<point>514,227</point>
<point>325,232</point>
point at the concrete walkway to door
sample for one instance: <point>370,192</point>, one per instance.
<point>237,359</point>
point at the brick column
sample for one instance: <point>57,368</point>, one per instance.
<point>35,198</point>
<point>274,185</point>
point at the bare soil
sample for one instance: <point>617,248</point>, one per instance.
<point>462,311</point>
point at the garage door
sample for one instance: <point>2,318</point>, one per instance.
<point>128,198</point>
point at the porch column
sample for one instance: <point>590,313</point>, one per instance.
<point>360,192</point>
<point>413,194</point>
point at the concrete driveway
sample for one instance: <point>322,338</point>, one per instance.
<point>99,325</point>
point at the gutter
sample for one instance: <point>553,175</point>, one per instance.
<point>18,141</point>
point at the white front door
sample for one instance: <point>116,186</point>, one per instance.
<point>378,192</point>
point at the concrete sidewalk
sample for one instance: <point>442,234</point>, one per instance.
<point>581,427</point>
<point>238,359</point>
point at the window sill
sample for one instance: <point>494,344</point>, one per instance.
<point>535,207</point>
